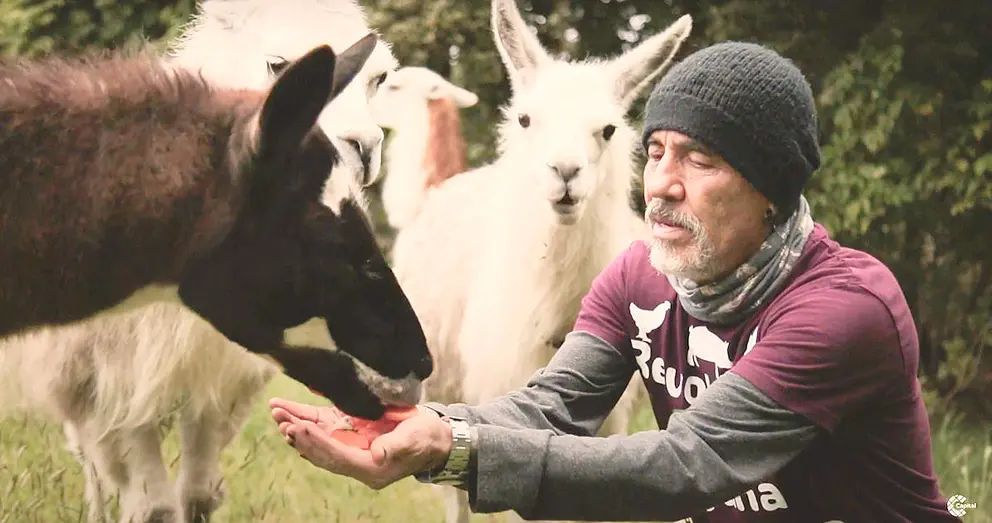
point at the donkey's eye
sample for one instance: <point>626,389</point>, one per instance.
<point>608,131</point>
<point>276,64</point>
<point>524,121</point>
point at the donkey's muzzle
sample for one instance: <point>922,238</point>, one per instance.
<point>424,368</point>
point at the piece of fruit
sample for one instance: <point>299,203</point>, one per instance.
<point>359,432</point>
<point>351,437</point>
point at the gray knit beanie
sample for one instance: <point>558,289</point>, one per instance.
<point>751,106</point>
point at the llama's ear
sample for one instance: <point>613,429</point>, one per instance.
<point>638,67</point>
<point>521,51</point>
<point>461,96</point>
<point>295,101</point>
<point>350,62</point>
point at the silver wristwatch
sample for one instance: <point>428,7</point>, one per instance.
<point>456,468</point>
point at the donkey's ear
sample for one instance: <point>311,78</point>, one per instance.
<point>295,101</point>
<point>521,51</point>
<point>350,61</point>
<point>637,68</point>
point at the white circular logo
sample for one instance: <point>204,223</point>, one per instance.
<point>958,505</point>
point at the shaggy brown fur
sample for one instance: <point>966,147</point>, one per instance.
<point>117,173</point>
<point>113,176</point>
<point>445,154</point>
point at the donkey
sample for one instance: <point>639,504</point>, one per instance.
<point>126,182</point>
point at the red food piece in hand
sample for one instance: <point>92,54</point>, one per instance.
<point>364,431</point>
<point>351,438</point>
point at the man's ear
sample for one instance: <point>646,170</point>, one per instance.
<point>294,102</point>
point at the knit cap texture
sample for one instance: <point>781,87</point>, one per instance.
<point>751,106</point>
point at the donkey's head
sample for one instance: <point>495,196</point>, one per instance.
<point>245,44</point>
<point>404,95</point>
<point>565,129</point>
<point>289,257</point>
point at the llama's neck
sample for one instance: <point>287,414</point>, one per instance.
<point>405,155</point>
<point>423,153</point>
<point>405,184</point>
<point>553,264</point>
<point>444,153</point>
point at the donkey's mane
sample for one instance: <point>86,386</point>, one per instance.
<point>444,156</point>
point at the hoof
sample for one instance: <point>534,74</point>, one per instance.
<point>200,510</point>
<point>162,515</point>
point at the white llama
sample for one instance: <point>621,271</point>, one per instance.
<point>499,258</point>
<point>113,380</point>
<point>420,107</point>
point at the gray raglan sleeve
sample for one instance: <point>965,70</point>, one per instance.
<point>536,454</point>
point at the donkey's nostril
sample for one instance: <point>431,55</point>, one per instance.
<point>424,368</point>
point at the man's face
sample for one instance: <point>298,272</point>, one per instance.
<point>705,218</point>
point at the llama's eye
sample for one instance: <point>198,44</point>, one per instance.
<point>524,121</point>
<point>608,131</point>
<point>381,78</point>
<point>276,64</point>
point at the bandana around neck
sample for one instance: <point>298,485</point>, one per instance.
<point>756,281</point>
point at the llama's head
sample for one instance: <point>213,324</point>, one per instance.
<point>246,43</point>
<point>565,131</point>
<point>288,257</point>
<point>403,98</point>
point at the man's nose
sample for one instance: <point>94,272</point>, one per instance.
<point>663,179</point>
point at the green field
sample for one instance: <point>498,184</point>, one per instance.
<point>266,481</point>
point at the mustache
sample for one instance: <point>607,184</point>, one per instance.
<point>657,210</point>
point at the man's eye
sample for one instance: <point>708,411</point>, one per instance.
<point>700,160</point>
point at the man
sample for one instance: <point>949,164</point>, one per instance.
<point>781,365</point>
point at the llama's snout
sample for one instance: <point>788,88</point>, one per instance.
<point>565,191</point>
<point>362,154</point>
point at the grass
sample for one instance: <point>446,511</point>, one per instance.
<point>267,482</point>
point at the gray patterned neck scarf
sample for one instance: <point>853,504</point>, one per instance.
<point>756,281</point>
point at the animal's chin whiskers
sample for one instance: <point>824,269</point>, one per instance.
<point>402,391</point>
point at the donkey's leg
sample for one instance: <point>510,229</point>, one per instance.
<point>148,496</point>
<point>97,506</point>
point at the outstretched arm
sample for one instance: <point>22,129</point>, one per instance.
<point>534,456</point>
<point>572,395</point>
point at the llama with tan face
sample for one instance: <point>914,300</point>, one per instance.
<point>137,366</point>
<point>421,108</point>
<point>499,258</point>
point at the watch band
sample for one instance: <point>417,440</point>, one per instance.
<point>456,469</point>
